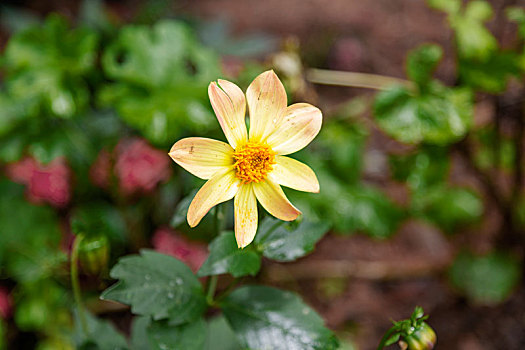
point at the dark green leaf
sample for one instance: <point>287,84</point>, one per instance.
<point>449,208</point>
<point>159,335</point>
<point>428,167</point>
<point>101,334</point>
<point>27,231</point>
<point>99,218</point>
<point>283,241</point>
<point>158,285</point>
<point>42,306</point>
<point>485,279</point>
<point>492,74</point>
<point>226,257</point>
<point>151,66</point>
<point>438,116</point>
<point>47,66</point>
<point>268,318</point>
<point>220,336</point>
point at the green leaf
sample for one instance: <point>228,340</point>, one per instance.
<point>492,74</point>
<point>101,333</point>
<point>42,306</point>
<point>282,241</point>
<point>422,62</point>
<point>226,257</point>
<point>449,6</point>
<point>449,208</point>
<point>479,10</point>
<point>485,279</point>
<point>438,116</point>
<point>27,231</point>
<point>340,147</point>
<point>350,209</point>
<point>220,336</point>
<point>157,285</point>
<point>99,218</point>
<point>150,67</point>
<point>159,335</point>
<point>427,168</point>
<point>47,66</point>
<point>517,14</point>
<point>268,318</point>
<point>486,138</point>
<point>473,40</point>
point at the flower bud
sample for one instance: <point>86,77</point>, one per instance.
<point>93,254</point>
<point>422,338</point>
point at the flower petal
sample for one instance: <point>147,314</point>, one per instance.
<point>201,156</point>
<point>267,103</point>
<point>273,199</point>
<point>229,105</point>
<point>220,188</point>
<point>301,123</point>
<point>294,174</point>
<point>245,215</point>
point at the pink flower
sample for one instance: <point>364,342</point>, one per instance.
<point>45,183</point>
<point>169,242</point>
<point>140,167</point>
<point>100,171</point>
<point>231,66</point>
<point>6,304</point>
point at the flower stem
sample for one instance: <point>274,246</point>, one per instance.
<point>76,284</point>
<point>354,79</point>
<point>212,284</point>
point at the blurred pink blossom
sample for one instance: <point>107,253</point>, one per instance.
<point>231,66</point>
<point>100,171</point>
<point>49,183</point>
<point>171,243</point>
<point>6,304</point>
<point>140,167</point>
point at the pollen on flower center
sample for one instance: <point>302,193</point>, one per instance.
<point>253,161</point>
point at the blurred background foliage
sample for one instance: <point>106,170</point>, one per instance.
<point>90,106</point>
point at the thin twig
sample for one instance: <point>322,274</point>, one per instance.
<point>354,79</point>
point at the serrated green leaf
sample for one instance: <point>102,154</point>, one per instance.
<point>157,285</point>
<point>485,279</point>
<point>438,116</point>
<point>422,62</point>
<point>283,241</point>
<point>100,333</point>
<point>268,318</point>
<point>226,257</point>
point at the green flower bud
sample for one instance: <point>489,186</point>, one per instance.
<point>422,338</point>
<point>93,254</point>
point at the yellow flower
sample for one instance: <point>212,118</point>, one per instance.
<point>253,165</point>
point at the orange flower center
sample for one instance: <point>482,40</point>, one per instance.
<point>253,161</point>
